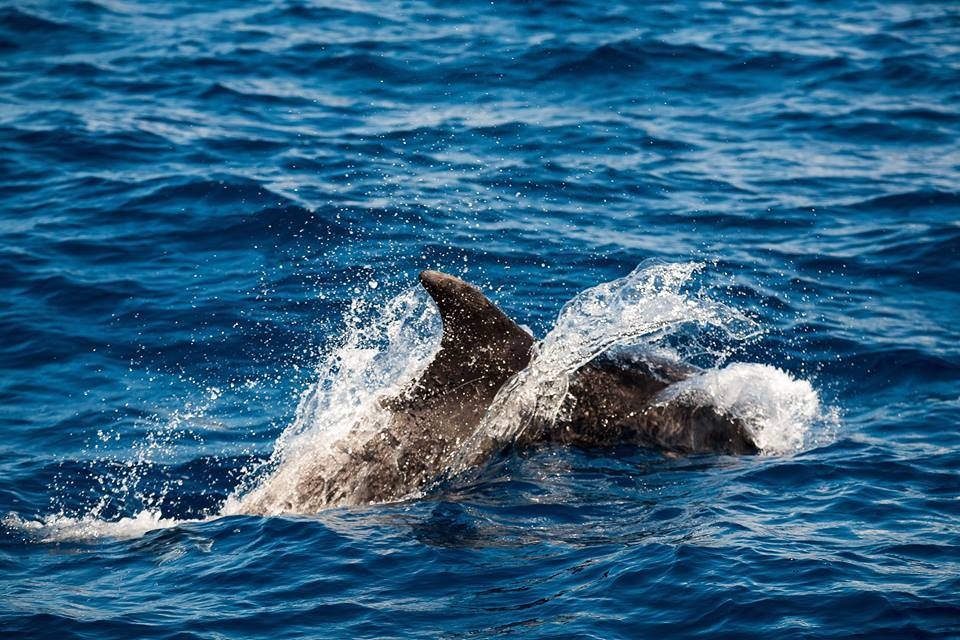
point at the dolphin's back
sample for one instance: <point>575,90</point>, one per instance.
<point>607,406</point>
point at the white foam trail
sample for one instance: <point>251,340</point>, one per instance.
<point>90,528</point>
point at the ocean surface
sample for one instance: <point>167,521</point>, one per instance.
<point>213,215</point>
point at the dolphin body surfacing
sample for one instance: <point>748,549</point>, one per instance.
<point>480,350</point>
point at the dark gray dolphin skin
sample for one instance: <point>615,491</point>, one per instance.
<point>480,350</point>
<point>607,403</point>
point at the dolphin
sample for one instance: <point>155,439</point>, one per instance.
<point>481,349</point>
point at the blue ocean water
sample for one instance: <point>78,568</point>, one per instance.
<point>201,201</point>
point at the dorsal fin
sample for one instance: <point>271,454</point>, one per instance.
<point>479,341</point>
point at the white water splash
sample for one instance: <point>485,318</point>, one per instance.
<point>374,359</point>
<point>342,408</point>
<point>638,309</point>
<point>125,482</point>
<point>776,408</point>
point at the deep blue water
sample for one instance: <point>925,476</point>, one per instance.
<point>192,194</point>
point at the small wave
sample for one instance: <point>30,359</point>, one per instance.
<point>93,8</point>
<point>923,114</point>
<point>19,21</point>
<point>364,65</point>
<point>867,125</point>
<point>73,295</point>
<point>628,56</point>
<point>884,132</point>
<point>82,147</point>
<point>246,93</point>
<point>945,20</point>
<point>903,71</point>
<point>32,31</point>
<point>320,15</point>
<point>911,200</point>
<point>211,191</point>
<point>34,344</point>
<point>282,222</point>
<point>786,62</point>
<point>85,70</point>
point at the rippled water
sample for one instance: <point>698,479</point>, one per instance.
<point>201,203</point>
